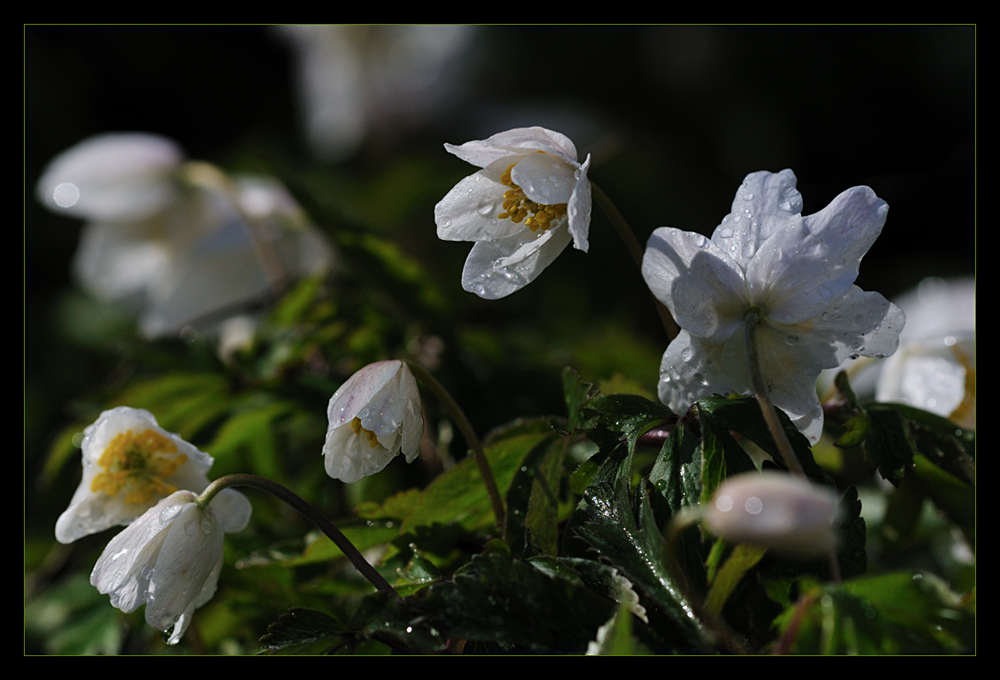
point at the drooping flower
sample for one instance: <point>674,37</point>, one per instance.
<point>798,271</point>
<point>178,239</point>
<point>374,416</point>
<point>129,464</point>
<point>170,559</point>
<point>774,510</point>
<point>530,199</point>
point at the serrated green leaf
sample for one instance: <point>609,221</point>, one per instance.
<point>306,631</point>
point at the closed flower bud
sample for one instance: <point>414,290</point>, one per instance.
<point>774,510</point>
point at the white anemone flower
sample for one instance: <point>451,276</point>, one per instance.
<point>935,367</point>
<point>374,416</point>
<point>180,239</point>
<point>129,464</point>
<point>531,198</point>
<point>170,559</point>
<point>799,271</point>
<point>774,510</point>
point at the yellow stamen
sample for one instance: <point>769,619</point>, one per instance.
<point>519,208</point>
<point>368,434</point>
<point>139,464</point>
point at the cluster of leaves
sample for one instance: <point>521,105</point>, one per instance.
<point>585,565</point>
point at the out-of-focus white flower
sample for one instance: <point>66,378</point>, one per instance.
<point>130,463</point>
<point>528,202</point>
<point>935,367</point>
<point>798,271</point>
<point>181,239</point>
<point>774,510</point>
<point>170,559</point>
<point>374,416</point>
<point>355,80</point>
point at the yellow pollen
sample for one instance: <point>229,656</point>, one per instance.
<point>138,464</point>
<point>519,208</point>
<point>368,434</point>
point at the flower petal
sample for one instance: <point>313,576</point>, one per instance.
<point>111,177</point>
<point>545,178</point>
<point>355,394</point>
<point>233,510</point>
<point>700,285</point>
<point>469,211</point>
<point>483,153</point>
<point>765,203</point>
<point>579,207</point>
<point>800,271</point>
<point>690,370</point>
<point>495,269</point>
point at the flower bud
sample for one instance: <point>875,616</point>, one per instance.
<point>774,510</point>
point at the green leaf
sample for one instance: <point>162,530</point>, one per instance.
<point>543,508</point>
<point>895,613</point>
<point>577,394</point>
<point>741,560</point>
<point>634,545</point>
<point>252,432</point>
<point>306,631</point>
<point>499,599</point>
<point>182,402</point>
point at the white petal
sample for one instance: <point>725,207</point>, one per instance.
<point>233,509</point>
<point>111,177</point>
<point>700,285</point>
<point>932,374</point>
<point>116,260</point>
<point>190,554</point>
<point>800,271</point>
<point>495,269</point>
<point>764,204</point>
<point>776,511</point>
<point>545,178</point>
<point>469,211</point>
<point>579,207</point>
<point>482,153</point>
<point>355,394</point>
<point>689,371</point>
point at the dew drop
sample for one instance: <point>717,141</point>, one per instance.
<point>726,232</point>
<point>700,379</point>
<point>747,197</point>
<point>687,353</point>
<point>486,208</point>
<point>191,527</point>
<point>791,339</point>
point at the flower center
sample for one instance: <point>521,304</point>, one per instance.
<point>367,434</point>
<point>518,207</point>
<point>138,464</point>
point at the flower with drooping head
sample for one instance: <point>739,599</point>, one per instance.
<point>129,464</point>
<point>374,416</point>
<point>170,559</point>
<point>530,199</point>
<point>798,272</point>
<point>774,510</point>
<point>178,238</point>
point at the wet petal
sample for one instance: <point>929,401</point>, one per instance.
<point>469,211</point>
<point>765,203</point>
<point>700,285</point>
<point>495,269</point>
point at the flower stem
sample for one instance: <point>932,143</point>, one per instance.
<point>763,398</point>
<point>310,513</point>
<point>499,514</point>
<point>635,250</point>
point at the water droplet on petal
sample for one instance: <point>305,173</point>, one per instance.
<point>686,354</point>
<point>791,339</point>
<point>726,233</point>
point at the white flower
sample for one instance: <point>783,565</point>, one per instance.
<point>170,559</point>
<point>130,463</point>
<point>180,239</point>
<point>530,199</point>
<point>357,81</point>
<point>935,367</point>
<point>373,417</point>
<point>799,271</point>
<point>774,510</point>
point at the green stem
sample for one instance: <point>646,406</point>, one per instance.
<point>635,250</point>
<point>471,439</point>
<point>310,513</point>
<point>763,397</point>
